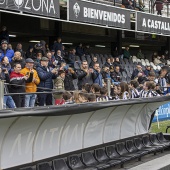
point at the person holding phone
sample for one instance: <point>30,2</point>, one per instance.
<point>17,81</point>
<point>31,87</point>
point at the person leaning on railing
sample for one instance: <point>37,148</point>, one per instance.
<point>17,81</point>
<point>31,87</point>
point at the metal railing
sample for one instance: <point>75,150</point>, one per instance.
<point>1,94</point>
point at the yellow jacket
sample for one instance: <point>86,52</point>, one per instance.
<point>31,87</point>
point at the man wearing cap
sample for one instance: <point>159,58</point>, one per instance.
<point>4,51</point>
<point>46,84</point>
<point>31,87</point>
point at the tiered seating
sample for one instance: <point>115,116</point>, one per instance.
<point>108,156</point>
<point>128,66</point>
<point>145,62</point>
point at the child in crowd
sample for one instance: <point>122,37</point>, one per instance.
<point>59,85</point>
<point>91,97</point>
<point>95,88</point>
<point>86,88</point>
<point>68,97</point>
<point>133,88</point>
<point>103,95</point>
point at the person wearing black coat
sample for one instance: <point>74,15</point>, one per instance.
<point>84,75</point>
<point>17,59</point>
<point>115,75</point>
<point>108,63</point>
<point>69,77</point>
<point>30,53</point>
<point>59,58</point>
<point>58,45</point>
<point>4,34</point>
<point>19,48</point>
<point>46,84</point>
<point>79,50</point>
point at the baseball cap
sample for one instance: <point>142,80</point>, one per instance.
<point>29,60</point>
<point>44,59</point>
<point>4,42</point>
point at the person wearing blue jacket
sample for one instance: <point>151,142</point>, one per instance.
<point>4,51</point>
<point>96,75</point>
<point>46,84</point>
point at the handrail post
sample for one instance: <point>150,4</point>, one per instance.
<point>1,94</point>
<point>108,86</point>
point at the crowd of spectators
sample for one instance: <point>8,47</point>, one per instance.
<point>77,76</point>
<point>139,5</point>
<point>133,4</point>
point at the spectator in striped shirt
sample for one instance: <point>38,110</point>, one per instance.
<point>148,90</point>
<point>133,88</point>
<point>104,95</point>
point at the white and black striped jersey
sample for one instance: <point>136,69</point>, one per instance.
<point>116,97</point>
<point>102,99</point>
<point>149,93</point>
<point>126,95</point>
<point>135,93</point>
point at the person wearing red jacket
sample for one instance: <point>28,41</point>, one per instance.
<point>159,6</point>
<point>17,81</point>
